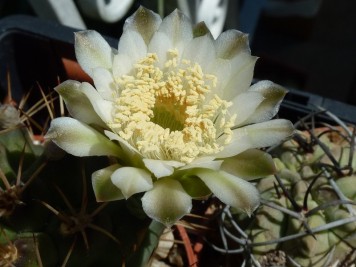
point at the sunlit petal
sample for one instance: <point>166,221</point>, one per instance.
<point>143,21</point>
<point>258,135</point>
<point>200,50</point>
<point>92,51</point>
<point>178,28</point>
<point>131,180</point>
<point>122,65</point>
<point>231,43</point>
<point>167,202</point>
<point>273,95</point>
<point>77,103</point>
<point>244,105</point>
<point>132,44</point>
<point>205,162</point>
<point>160,44</point>
<point>242,75</point>
<point>101,106</point>
<point>161,168</point>
<point>104,83</point>
<point>79,139</point>
<point>221,68</point>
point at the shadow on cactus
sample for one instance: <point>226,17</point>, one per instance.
<point>308,214</point>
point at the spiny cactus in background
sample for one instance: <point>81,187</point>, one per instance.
<point>308,212</point>
<point>48,213</point>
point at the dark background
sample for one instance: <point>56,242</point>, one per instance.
<point>314,54</point>
<point>311,53</point>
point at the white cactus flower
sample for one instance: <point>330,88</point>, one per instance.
<point>176,109</point>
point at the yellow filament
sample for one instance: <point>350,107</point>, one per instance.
<point>171,113</point>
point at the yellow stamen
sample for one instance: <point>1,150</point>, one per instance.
<point>171,113</point>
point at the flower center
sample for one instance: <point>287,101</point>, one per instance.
<point>171,113</point>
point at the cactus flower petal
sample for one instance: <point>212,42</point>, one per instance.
<point>201,50</point>
<point>161,168</point>
<point>245,105</point>
<point>131,180</point>
<point>232,190</point>
<point>259,135</point>
<point>77,103</point>
<point>104,189</point>
<point>79,139</point>
<point>178,28</point>
<point>104,83</point>
<point>221,68</point>
<point>250,164</point>
<point>131,43</point>
<point>102,107</point>
<point>167,201</point>
<point>231,44</point>
<point>205,162</point>
<point>92,51</point>
<point>122,64</point>
<point>273,95</point>
<point>130,152</point>
<point>159,45</point>
<point>145,22</point>
<point>241,78</point>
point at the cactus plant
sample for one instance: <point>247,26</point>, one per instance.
<point>308,213</point>
<point>48,214</point>
<point>158,126</point>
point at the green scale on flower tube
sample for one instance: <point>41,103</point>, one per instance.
<point>171,113</point>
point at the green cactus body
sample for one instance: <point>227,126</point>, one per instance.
<point>309,171</point>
